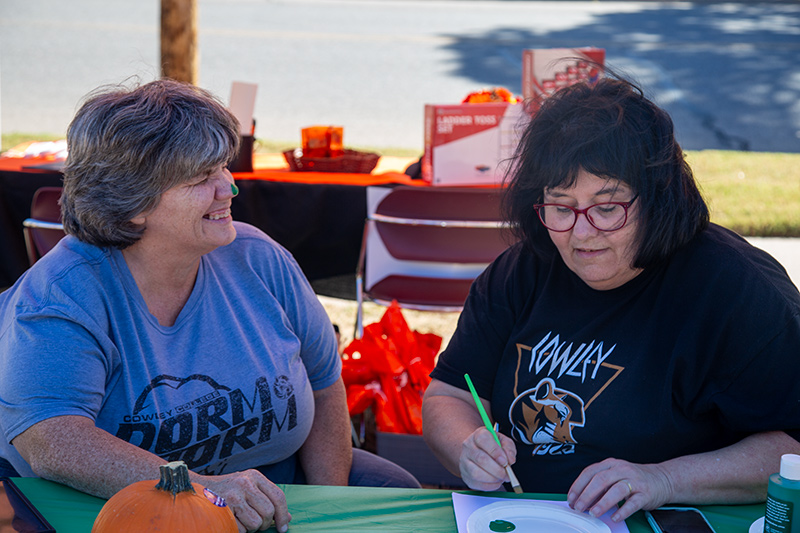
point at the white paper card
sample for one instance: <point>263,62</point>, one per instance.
<point>466,504</point>
<point>243,105</point>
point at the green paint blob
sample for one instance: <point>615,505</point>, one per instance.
<point>501,525</point>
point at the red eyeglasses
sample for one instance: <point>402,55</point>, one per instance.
<point>606,216</point>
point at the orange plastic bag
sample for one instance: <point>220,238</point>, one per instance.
<point>388,370</point>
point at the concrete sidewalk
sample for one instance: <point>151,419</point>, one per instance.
<point>785,250</point>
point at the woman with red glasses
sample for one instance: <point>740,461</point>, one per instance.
<point>629,350</point>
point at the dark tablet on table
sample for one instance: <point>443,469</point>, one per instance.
<point>18,513</point>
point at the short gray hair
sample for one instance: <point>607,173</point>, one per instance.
<point>127,146</point>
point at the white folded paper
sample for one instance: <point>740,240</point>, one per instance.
<point>243,105</point>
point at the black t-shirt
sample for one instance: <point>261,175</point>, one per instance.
<point>689,356</point>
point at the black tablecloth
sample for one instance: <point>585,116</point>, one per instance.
<point>16,192</point>
<point>320,224</point>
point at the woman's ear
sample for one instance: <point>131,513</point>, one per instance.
<point>138,220</point>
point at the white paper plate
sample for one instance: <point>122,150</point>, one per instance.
<point>757,526</point>
<point>530,516</point>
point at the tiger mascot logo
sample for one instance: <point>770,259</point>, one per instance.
<point>544,417</point>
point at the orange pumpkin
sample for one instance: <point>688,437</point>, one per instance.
<point>173,505</point>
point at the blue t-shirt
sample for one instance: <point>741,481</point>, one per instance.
<point>228,386</point>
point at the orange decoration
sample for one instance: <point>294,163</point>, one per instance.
<point>497,94</point>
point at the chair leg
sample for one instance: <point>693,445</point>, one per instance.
<point>359,330</point>
<point>357,442</point>
<point>30,248</point>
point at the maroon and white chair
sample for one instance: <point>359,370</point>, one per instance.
<point>43,229</point>
<point>423,246</point>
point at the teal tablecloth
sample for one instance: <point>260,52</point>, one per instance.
<point>326,509</point>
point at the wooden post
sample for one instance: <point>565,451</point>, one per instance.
<point>179,55</point>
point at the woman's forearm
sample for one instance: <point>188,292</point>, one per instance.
<point>448,418</point>
<point>73,451</point>
<point>734,474</point>
<point>731,475</point>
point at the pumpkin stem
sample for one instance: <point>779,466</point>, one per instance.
<point>175,478</point>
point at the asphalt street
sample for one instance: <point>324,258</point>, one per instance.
<point>726,71</point>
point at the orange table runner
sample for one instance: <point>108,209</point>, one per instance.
<point>19,164</point>
<point>272,167</point>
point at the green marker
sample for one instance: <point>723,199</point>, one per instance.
<point>234,189</point>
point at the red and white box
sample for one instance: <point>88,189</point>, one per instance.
<point>546,70</point>
<point>470,144</point>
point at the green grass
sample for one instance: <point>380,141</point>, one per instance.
<point>12,139</point>
<point>752,193</point>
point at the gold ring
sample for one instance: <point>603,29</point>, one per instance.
<point>630,489</point>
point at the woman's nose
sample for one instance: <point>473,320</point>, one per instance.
<point>583,226</point>
<point>226,186</point>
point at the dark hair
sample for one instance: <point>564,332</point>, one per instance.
<point>611,130</point>
<point>127,146</point>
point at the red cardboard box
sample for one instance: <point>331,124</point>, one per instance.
<point>468,144</point>
<point>547,70</point>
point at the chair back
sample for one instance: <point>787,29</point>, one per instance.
<point>424,246</point>
<point>43,229</point>
<point>443,225</point>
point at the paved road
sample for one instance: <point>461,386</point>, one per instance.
<point>786,251</point>
<point>728,72</point>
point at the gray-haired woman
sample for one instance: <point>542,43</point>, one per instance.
<point>160,329</point>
